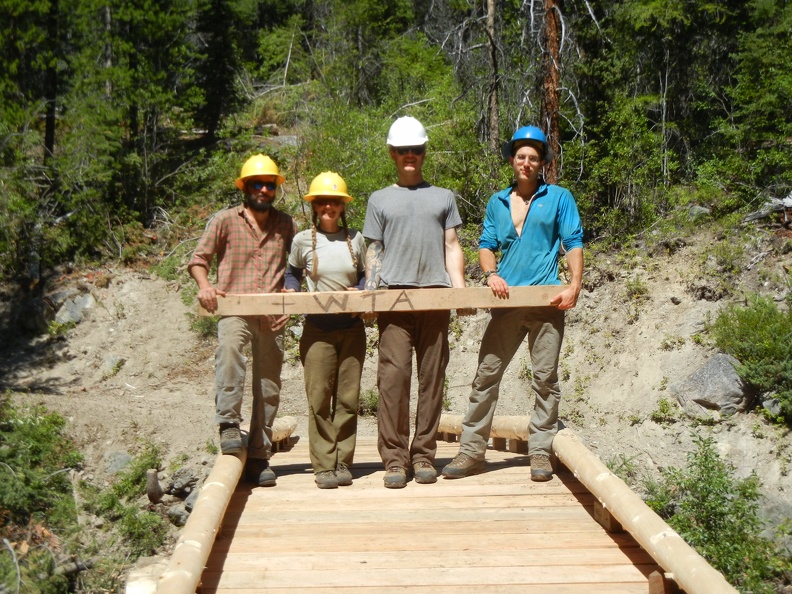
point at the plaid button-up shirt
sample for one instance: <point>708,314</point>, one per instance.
<point>247,262</point>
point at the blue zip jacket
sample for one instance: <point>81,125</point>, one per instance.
<point>532,258</point>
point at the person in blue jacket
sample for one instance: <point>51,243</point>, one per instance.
<point>528,223</point>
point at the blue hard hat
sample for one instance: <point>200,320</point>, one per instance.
<point>528,133</point>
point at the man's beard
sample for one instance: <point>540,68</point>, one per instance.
<point>256,205</point>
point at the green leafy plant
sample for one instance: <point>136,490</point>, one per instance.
<point>718,514</point>
<point>368,404</point>
<point>759,335</point>
<point>664,414</point>
<point>143,531</point>
<point>36,503</point>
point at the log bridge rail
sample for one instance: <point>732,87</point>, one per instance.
<point>583,532</point>
<point>663,564</point>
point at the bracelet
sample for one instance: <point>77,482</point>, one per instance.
<point>489,273</point>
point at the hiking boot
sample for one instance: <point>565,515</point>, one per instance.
<point>541,470</point>
<point>395,478</point>
<point>343,475</point>
<point>326,479</point>
<point>258,471</point>
<point>424,473</point>
<point>230,438</point>
<point>463,465</point>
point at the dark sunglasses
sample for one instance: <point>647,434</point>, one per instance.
<point>325,201</point>
<point>257,185</point>
<point>415,150</point>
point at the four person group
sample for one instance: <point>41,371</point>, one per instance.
<point>411,229</point>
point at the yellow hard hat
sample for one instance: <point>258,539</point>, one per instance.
<point>328,183</point>
<point>258,165</point>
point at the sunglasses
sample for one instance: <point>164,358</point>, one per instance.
<point>415,150</point>
<point>257,185</point>
<point>320,202</point>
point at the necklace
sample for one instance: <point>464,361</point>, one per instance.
<point>525,199</point>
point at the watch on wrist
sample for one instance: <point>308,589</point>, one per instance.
<point>489,273</point>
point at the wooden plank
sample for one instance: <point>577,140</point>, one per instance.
<point>427,504</point>
<point>360,576</point>
<point>610,588</point>
<point>450,540</point>
<point>382,300</point>
<point>283,560</point>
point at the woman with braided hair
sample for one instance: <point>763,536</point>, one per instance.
<point>332,346</point>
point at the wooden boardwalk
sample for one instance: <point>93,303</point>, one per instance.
<point>494,532</point>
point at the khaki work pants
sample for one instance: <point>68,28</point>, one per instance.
<point>399,334</point>
<point>505,331</point>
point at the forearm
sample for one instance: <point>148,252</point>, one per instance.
<point>575,262</point>
<point>487,260</point>
<point>201,276</point>
<point>374,255</point>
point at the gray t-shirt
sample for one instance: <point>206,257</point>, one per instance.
<point>335,269</point>
<point>411,224</point>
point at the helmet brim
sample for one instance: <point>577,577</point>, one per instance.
<point>240,182</point>
<point>345,197</point>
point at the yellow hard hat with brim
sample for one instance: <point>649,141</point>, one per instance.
<point>328,184</point>
<point>256,166</point>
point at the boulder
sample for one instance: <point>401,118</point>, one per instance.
<point>715,386</point>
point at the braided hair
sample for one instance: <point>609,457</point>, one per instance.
<point>314,220</point>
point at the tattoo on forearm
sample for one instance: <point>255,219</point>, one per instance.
<point>373,265</point>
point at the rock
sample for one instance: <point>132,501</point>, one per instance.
<point>182,482</point>
<point>771,404</point>
<point>117,461</point>
<point>36,316</point>
<point>696,212</point>
<point>72,310</point>
<point>189,503</point>
<point>178,515</point>
<point>714,386</point>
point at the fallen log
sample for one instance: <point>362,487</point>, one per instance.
<point>382,300</point>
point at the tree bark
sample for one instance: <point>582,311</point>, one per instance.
<point>551,61</point>
<point>493,123</point>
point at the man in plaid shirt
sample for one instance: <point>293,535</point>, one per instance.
<point>251,242</point>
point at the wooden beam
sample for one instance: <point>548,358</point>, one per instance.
<point>182,573</point>
<point>691,571</point>
<point>385,300</point>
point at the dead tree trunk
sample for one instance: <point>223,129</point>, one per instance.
<point>493,124</point>
<point>551,62</point>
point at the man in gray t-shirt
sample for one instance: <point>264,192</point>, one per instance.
<point>411,229</point>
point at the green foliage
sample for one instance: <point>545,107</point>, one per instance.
<point>35,457</point>
<point>369,403</point>
<point>718,514</point>
<point>35,494</point>
<point>664,414</point>
<point>759,335</point>
<point>625,468</point>
<point>635,289</point>
<point>143,531</point>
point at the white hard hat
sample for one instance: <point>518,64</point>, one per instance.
<point>407,131</point>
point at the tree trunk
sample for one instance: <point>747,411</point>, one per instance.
<point>493,124</point>
<point>51,88</point>
<point>550,64</point>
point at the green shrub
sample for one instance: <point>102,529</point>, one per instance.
<point>143,531</point>
<point>759,335</point>
<point>718,515</point>
<point>369,403</point>
<point>36,502</point>
<point>35,456</point>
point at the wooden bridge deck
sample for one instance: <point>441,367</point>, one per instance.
<point>494,532</point>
